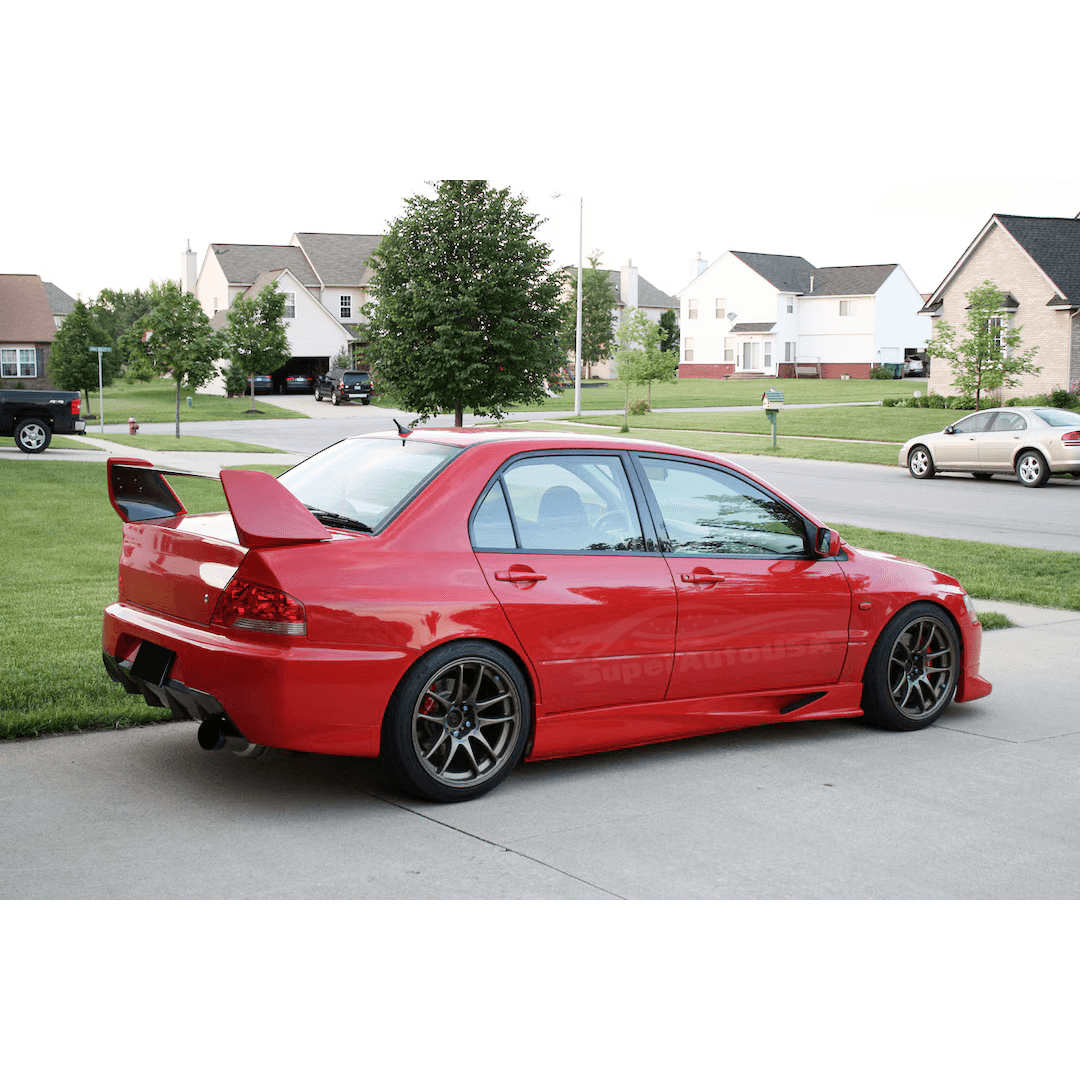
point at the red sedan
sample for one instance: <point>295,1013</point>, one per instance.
<point>457,600</point>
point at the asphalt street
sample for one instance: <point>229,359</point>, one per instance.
<point>982,805</point>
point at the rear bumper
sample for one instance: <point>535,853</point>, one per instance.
<point>295,695</point>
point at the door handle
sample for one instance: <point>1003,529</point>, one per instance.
<point>520,575</point>
<point>702,577</point>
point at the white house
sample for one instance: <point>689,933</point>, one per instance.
<point>751,314</point>
<point>325,278</point>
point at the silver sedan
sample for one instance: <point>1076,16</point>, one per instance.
<point>1031,442</point>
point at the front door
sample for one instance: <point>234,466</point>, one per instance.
<point>960,449</point>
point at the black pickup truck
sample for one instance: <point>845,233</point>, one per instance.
<point>34,416</point>
<point>341,386</point>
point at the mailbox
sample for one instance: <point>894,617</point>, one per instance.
<point>772,400</point>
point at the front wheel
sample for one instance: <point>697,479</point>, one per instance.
<point>458,722</point>
<point>318,395</point>
<point>911,674</point>
<point>1031,469</point>
<point>32,435</point>
<point>920,464</point>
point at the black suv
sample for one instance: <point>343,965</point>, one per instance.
<point>344,386</point>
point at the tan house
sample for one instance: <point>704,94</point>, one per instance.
<point>1035,261</point>
<point>27,328</point>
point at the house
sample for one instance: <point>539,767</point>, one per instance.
<point>324,276</point>
<point>60,304</point>
<point>27,329</point>
<point>754,314</point>
<point>1035,261</point>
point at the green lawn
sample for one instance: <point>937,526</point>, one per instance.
<point>65,539</point>
<point>698,393</point>
<point>188,443</point>
<point>155,402</point>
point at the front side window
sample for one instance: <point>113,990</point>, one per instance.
<point>976,422</point>
<point>18,363</point>
<point>708,511</point>
<point>556,502</point>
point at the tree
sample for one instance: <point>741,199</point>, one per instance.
<point>464,310</point>
<point>597,307</point>
<point>987,358</point>
<point>116,311</point>
<point>174,339</point>
<point>637,354</point>
<point>255,335</point>
<point>669,326</point>
<point>72,366</point>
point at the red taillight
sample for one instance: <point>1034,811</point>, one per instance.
<point>1071,438</point>
<point>76,405</point>
<point>247,606</point>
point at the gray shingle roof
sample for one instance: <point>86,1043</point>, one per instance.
<point>1054,243</point>
<point>59,301</point>
<point>340,258</point>
<point>753,328</point>
<point>792,273</point>
<point>243,263</point>
<point>648,294</point>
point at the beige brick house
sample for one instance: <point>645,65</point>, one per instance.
<point>1035,261</point>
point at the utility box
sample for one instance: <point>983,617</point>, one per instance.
<point>772,400</point>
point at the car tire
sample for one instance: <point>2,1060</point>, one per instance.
<point>32,435</point>
<point>913,669</point>
<point>1031,469</point>
<point>318,396</point>
<point>920,464</point>
<point>334,399</point>
<point>458,722</point>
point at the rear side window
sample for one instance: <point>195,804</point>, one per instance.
<point>368,480</point>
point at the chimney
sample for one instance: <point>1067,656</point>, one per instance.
<point>702,264</point>
<point>628,284</point>
<point>188,272</point>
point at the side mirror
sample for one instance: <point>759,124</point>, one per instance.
<point>827,542</point>
<point>950,430</point>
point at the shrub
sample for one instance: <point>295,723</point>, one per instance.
<point>962,403</point>
<point>1062,399</point>
<point>935,401</point>
<point>636,408</point>
<point>892,402</point>
<point>880,372</point>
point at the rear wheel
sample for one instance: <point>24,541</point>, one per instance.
<point>334,397</point>
<point>920,464</point>
<point>458,722</point>
<point>32,435</point>
<point>318,395</point>
<point>1031,469</point>
<point>911,675</point>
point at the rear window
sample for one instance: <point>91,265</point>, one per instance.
<point>1059,417</point>
<point>368,480</point>
<point>357,378</point>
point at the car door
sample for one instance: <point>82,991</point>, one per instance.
<point>587,592</point>
<point>757,609</point>
<point>958,446</point>
<point>998,445</point>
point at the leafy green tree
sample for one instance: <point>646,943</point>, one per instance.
<point>987,358</point>
<point>255,336</point>
<point>116,311</point>
<point>669,336</point>
<point>636,352</point>
<point>72,366</point>
<point>597,313</point>
<point>464,311</point>
<point>173,339</point>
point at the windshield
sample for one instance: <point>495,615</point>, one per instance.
<point>367,480</point>
<point>1059,417</point>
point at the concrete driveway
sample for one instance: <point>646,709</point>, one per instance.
<point>982,805</point>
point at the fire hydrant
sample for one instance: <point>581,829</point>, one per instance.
<point>133,425</point>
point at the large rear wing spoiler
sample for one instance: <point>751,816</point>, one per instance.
<point>265,513</point>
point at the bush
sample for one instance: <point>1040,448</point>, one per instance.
<point>880,372</point>
<point>235,381</point>
<point>936,401</point>
<point>892,402</point>
<point>636,408</point>
<point>962,403</point>
<point>1062,399</point>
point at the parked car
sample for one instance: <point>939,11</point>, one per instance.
<point>264,384</point>
<point>298,384</point>
<point>341,386</point>
<point>34,416</point>
<point>453,601</point>
<point>1031,442</point>
<point>917,366</point>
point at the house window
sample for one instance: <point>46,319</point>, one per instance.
<point>729,350</point>
<point>994,325</point>
<point>18,363</point>
<point>692,313</point>
<point>789,352</point>
<point>847,307</point>
<point>290,305</point>
<point>346,306</point>
<point>688,350</point>
<point>720,309</point>
<point>768,354</point>
<point>790,304</point>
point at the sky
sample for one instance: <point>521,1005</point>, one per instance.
<point>846,133</point>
